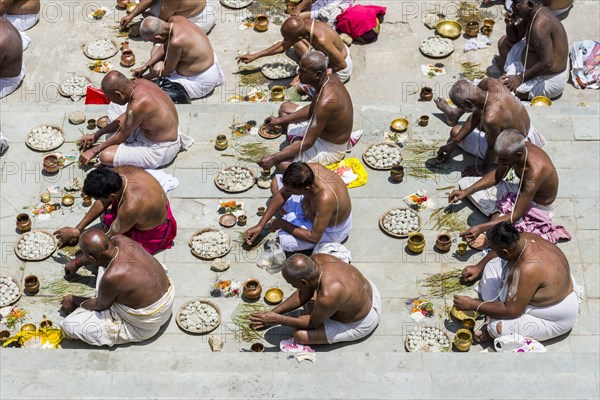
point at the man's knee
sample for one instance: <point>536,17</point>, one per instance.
<point>287,108</point>
<point>107,157</point>
<point>301,337</point>
<point>454,131</point>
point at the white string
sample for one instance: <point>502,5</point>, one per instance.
<point>520,186</point>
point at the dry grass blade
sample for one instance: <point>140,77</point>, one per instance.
<point>470,11</point>
<point>472,71</point>
<point>443,284</point>
<point>252,78</point>
<point>262,238</point>
<point>241,319</point>
<point>81,286</point>
<point>251,152</point>
<point>445,219</point>
<point>421,160</point>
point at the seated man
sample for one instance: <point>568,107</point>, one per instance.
<point>134,294</point>
<point>12,69</point>
<point>493,108</point>
<point>195,10</point>
<point>528,290</point>
<point>23,14</point>
<point>527,204</point>
<point>322,10</point>
<point>306,35</point>
<point>558,7</point>
<point>347,306</point>
<point>183,55</point>
<point>144,126</point>
<point>316,204</point>
<point>134,204</point>
<point>534,52</point>
<point>319,132</point>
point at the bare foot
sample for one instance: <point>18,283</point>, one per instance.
<point>472,170</point>
<point>452,114</point>
<point>499,62</point>
<point>482,335</point>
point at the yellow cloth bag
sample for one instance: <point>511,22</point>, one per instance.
<point>356,167</point>
<point>41,339</point>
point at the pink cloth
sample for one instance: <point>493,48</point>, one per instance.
<point>153,240</point>
<point>534,220</point>
<point>358,20</point>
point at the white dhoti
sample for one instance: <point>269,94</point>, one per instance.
<point>9,85</point>
<point>201,85</point>
<point>22,22</point>
<point>206,19</point>
<point>328,10</point>
<point>539,323</point>
<point>485,200</point>
<point>119,324</point>
<point>295,216</point>
<point>139,151</point>
<point>550,86</point>
<point>322,152</point>
<point>346,332</point>
<point>475,143</point>
<point>345,73</point>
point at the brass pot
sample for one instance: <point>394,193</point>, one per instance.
<point>32,284</point>
<point>23,222</point>
<point>416,242</point>
<point>426,94</point>
<point>252,289</point>
<point>472,29</point>
<point>463,340</point>
<point>45,198</point>
<point>28,328</point>
<point>257,347</point>
<point>242,220</point>
<point>261,211</point>
<point>397,173</point>
<point>443,242</point>
<point>87,200</point>
<point>462,249</point>
<point>278,93</point>
<point>424,120</point>
<point>91,124</point>
<point>127,58</point>
<point>469,324</point>
<point>221,143</point>
<point>262,23</point>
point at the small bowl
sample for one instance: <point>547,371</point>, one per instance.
<point>45,198</point>
<point>274,296</point>
<point>46,324</point>
<point>541,101</point>
<point>449,29</point>
<point>102,122</point>
<point>91,123</point>
<point>416,242</point>
<point>462,249</point>
<point>4,335</point>
<point>67,200</point>
<point>50,163</point>
<point>278,93</point>
<point>227,220</point>
<point>257,347</point>
<point>28,328</point>
<point>261,211</point>
<point>399,125</point>
<point>236,98</point>
<point>424,120</point>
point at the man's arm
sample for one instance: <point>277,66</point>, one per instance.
<point>544,49</point>
<point>277,48</point>
<point>302,114</point>
<point>5,6</point>
<point>69,235</point>
<point>325,210</point>
<point>168,9</point>
<point>324,307</point>
<point>107,294</point>
<point>137,110</point>
<point>337,61</point>
<point>174,54</point>
<point>142,6</point>
<point>277,201</point>
<point>127,218</point>
<point>296,300</point>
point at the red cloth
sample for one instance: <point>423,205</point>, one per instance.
<point>358,20</point>
<point>95,96</point>
<point>153,240</point>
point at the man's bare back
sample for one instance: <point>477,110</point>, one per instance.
<point>330,185</point>
<point>137,277</point>
<point>344,285</point>
<point>20,7</point>
<point>546,268</point>
<point>11,56</point>
<point>539,170</point>
<point>334,98</point>
<point>192,45</point>
<point>503,110</point>
<point>548,33</point>
<point>328,41</point>
<point>159,119</point>
<point>184,8</point>
<point>144,200</point>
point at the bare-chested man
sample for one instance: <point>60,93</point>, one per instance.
<point>306,35</point>
<point>133,203</point>
<point>183,55</point>
<point>134,293</point>
<point>528,291</point>
<point>493,108</point>
<point>319,132</point>
<point>23,14</point>
<point>347,306</point>
<point>197,11</point>
<point>534,52</point>
<point>316,206</point>
<point>527,204</point>
<point>12,70</point>
<point>144,126</point>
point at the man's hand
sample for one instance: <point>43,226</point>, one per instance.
<point>126,20</point>
<point>295,12</point>
<point>87,140</point>
<point>68,304</point>
<point>512,82</point>
<point>471,272</point>
<point>267,162</point>
<point>246,58</point>
<point>71,268</point>
<point>509,18</point>
<point>271,120</point>
<point>251,234</point>
<point>264,319</point>
<point>276,224</point>
<point>472,233</point>
<point>446,151</point>
<point>67,236</point>
<point>465,303</point>
<point>87,156</point>
<point>138,72</point>
<point>456,195</point>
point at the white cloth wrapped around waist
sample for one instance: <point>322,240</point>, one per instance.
<point>475,143</point>
<point>206,18</point>
<point>9,85</point>
<point>202,84</point>
<point>22,22</point>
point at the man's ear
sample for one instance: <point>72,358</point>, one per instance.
<point>304,282</point>
<point>505,253</point>
<point>469,104</point>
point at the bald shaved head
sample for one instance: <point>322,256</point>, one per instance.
<point>117,87</point>
<point>94,242</point>
<point>298,267</point>
<point>292,28</point>
<point>316,60</point>
<point>152,26</point>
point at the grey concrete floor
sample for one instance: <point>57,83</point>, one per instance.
<point>177,365</point>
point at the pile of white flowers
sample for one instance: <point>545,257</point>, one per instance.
<point>235,179</point>
<point>9,291</point>
<point>279,70</point>
<point>401,222</point>
<point>74,86</point>
<point>427,339</point>
<point>100,48</point>
<point>198,316</point>
<point>44,137</point>
<point>211,244</point>
<point>383,156</point>
<point>36,245</point>
<point>437,46</point>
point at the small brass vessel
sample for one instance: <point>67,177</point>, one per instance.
<point>67,200</point>
<point>463,340</point>
<point>221,143</point>
<point>416,242</point>
<point>399,125</point>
